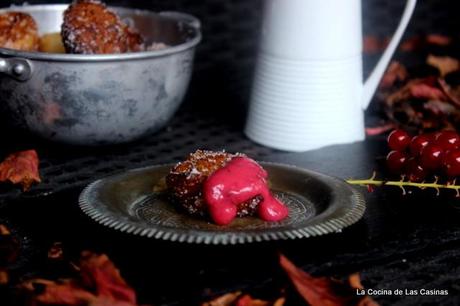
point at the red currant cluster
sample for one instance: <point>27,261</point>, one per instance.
<point>422,155</point>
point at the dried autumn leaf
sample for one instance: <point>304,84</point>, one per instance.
<point>224,300</point>
<point>425,88</point>
<point>378,130</point>
<point>444,64</point>
<point>45,292</point>
<point>21,168</point>
<point>453,93</point>
<point>237,299</point>
<point>100,285</point>
<point>4,277</point>
<point>428,92</point>
<point>98,272</point>
<point>323,291</point>
<point>56,252</point>
<point>395,72</point>
<point>9,246</point>
<point>412,44</point>
<point>437,39</point>
<point>371,44</point>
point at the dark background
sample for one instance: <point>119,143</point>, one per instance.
<point>401,242</point>
<point>225,58</point>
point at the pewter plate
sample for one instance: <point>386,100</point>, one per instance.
<point>318,205</point>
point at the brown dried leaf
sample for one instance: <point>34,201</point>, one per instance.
<point>427,92</point>
<point>237,299</point>
<point>98,272</point>
<point>21,168</point>
<point>444,64</point>
<point>100,285</point>
<point>9,246</point>
<point>371,44</point>
<point>323,291</point>
<point>452,93</point>
<point>424,88</point>
<point>56,252</point>
<point>437,39</point>
<point>440,108</point>
<point>57,293</point>
<point>224,300</point>
<point>378,130</point>
<point>4,277</point>
<point>412,44</point>
<point>395,72</point>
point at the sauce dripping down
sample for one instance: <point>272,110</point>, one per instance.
<point>241,179</point>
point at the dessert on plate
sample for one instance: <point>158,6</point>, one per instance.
<point>223,186</point>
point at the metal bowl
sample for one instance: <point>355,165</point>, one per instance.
<point>99,99</point>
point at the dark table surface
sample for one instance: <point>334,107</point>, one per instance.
<point>405,242</point>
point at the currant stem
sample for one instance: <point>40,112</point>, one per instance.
<point>422,185</point>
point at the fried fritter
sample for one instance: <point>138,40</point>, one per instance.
<point>18,31</point>
<point>89,27</point>
<point>185,182</point>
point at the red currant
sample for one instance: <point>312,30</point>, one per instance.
<point>396,161</point>
<point>398,140</point>
<point>415,172</point>
<point>418,143</point>
<point>431,157</point>
<point>452,163</point>
<point>448,140</point>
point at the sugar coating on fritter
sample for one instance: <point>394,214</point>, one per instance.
<point>18,31</point>
<point>89,27</point>
<point>185,182</point>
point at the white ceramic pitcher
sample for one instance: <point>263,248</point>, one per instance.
<point>308,90</point>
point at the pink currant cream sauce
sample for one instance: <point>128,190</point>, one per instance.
<point>241,179</point>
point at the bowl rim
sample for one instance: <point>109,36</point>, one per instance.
<point>188,20</point>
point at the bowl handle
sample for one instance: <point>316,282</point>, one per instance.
<point>186,18</point>
<point>17,68</point>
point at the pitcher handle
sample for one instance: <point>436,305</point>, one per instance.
<point>373,81</point>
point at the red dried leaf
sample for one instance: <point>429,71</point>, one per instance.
<point>444,64</point>
<point>452,93</point>
<point>107,301</point>
<point>57,293</point>
<point>395,72</point>
<point>371,44</point>
<point>225,300</point>
<point>56,252</point>
<point>378,130</point>
<point>21,168</point>
<point>4,277</point>
<point>9,246</point>
<point>412,44</point>
<point>236,299</point>
<point>440,40</point>
<point>98,272</point>
<point>425,91</point>
<point>100,285</point>
<point>323,291</point>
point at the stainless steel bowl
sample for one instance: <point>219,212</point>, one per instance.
<point>99,99</point>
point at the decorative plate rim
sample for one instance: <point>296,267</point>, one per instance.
<point>193,236</point>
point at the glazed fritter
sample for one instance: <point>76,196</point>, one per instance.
<point>18,31</point>
<point>89,27</point>
<point>185,182</point>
